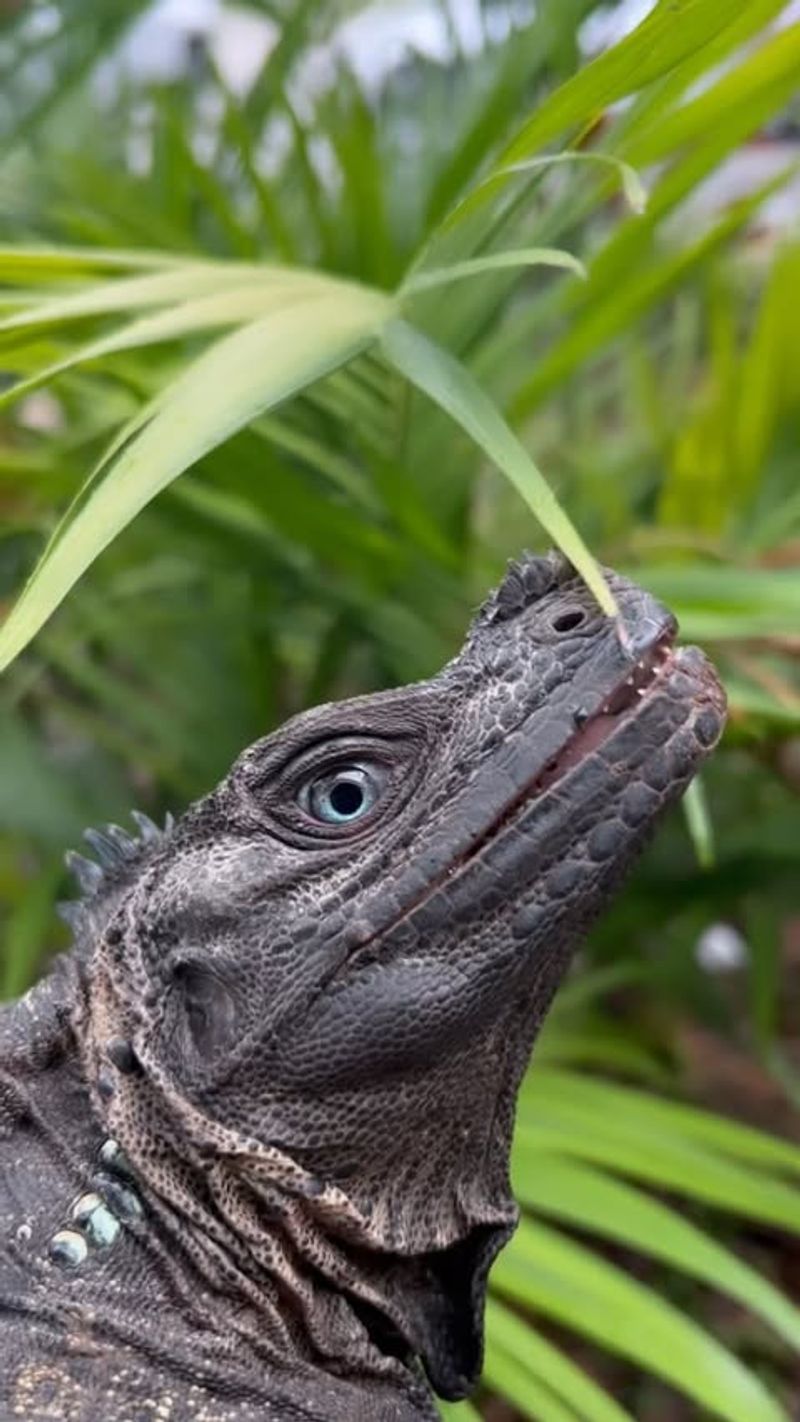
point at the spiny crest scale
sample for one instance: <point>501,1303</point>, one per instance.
<point>527,579</point>
<point>115,851</point>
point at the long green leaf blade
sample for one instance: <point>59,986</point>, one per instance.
<point>539,1357</point>
<point>660,1116</point>
<point>458,1412</point>
<point>204,313</point>
<point>239,377</point>
<point>590,1199</point>
<point>607,313</point>
<point>447,382</point>
<point>131,294</point>
<point>534,1398</point>
<point>546,1271</point>
<point>673,30</point>
<point>574,1129</point>
<point>59,263</point>
<point>767,79</point>
<point>493,261</point>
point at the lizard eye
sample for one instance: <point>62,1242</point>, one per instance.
<point>343,795</point>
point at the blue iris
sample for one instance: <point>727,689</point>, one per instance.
<point>343,795</point>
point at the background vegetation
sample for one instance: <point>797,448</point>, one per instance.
<point>339,541</point>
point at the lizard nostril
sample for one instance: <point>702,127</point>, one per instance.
<point>569,620</point>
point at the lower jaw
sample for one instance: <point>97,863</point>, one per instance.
<point>684,682</point>
<point>684,673</point>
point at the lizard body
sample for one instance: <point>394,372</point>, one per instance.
<point>254,1127</point>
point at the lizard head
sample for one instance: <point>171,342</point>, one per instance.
<point>332,970</point>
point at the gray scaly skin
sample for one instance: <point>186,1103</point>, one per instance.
<point>303,1013</point>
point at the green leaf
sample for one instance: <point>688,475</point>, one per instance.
<point>767,391</point>
<point>755,701</point>
<point>541,1360</point>
<point>190,280</point>
<point>658,98</point>
<point>714,602</point>
<point>450,385</point>
<point>236,379</point>
<point>598,1044</point>
<point>673,30</point>
<point>57,263</point>
<point>569,1120</point>
<point>230,308</point>
<point>670,1163</point>
<point>632,185</point>
<point>503,1372</point>
<point>612,308</point>
<point>766,79</point>
<point>589,1199</point>
<point>494,261</point>
<point>544,1270</point>
<point>527,52</point>
<point>698,821</point>
<point>457,1411</point>
<point>656,1115</point>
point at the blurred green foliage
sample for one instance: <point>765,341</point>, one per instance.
<point>339,542</point>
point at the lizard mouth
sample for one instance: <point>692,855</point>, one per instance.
<point>684,675</point>
<point>651,668</point>
<point>624,701</point>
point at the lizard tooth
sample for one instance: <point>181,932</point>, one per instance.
<point>169,822</point>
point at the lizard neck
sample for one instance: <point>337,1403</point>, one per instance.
<point>248,1246</point>
<point>159,1277</point>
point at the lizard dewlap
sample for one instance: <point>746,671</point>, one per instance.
<point>255,1125</point>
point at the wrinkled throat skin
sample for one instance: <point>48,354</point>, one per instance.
<point>303,1013</point>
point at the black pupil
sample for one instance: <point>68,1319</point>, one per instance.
<point>347,798</point>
